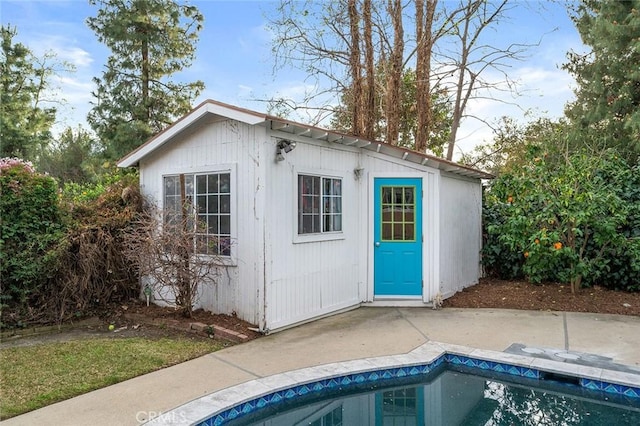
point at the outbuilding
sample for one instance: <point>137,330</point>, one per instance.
<point>310,221</point>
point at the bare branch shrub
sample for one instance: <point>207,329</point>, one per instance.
<point>166,255</point>
<point>91,270</point>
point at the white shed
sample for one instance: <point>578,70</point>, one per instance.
<point>317,221</point>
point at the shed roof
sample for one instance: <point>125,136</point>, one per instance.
<point>287,127</point>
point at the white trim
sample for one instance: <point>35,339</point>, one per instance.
<point>231,260</point>
<point>431,233</point>
<point>318,236</point>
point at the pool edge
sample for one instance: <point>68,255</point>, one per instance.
<point>234,401</point>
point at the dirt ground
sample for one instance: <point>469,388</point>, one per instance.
<point>492,293</point>
<point>136,319</point>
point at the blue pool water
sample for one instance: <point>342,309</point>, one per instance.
<point>453,396</point>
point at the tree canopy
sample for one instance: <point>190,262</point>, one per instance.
<point>150,41</point>
<point>25,123</point>
<point>366,52</point>
<point>606,113</point>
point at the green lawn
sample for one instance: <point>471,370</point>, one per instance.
<point>36,376</point>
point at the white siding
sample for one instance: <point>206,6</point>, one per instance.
<point>238,147</point>
<point>310,279</point>
<point>460,233</point>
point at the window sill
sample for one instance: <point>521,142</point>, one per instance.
<point>312,238</point>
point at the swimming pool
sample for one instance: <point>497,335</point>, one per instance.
<point>434,362</point>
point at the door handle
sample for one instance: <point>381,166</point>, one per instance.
<point>377,243</point>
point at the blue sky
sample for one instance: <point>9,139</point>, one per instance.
<point>234,57</point>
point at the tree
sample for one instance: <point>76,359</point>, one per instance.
<point>25,122</point>
<point>73,157</point>
<point>473,56</point>
<point>606,112</point>
<point>440,115</point>
<point>361,51</point>
<point>150,41</point>
<point>512,141</point>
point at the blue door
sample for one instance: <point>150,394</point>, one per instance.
<point>397,233</point>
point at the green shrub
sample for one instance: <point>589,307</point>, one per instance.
<point>30,228</point>
<point>573,219</point>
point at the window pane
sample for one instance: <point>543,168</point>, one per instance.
<point>225,204</point>
<point>201,203</point>
<point>307,204</point>
<point>337,205</point>
<point>224,246</point>
<point>397,232</point>
<point>201,184</point>
<point>307,224</point>
<point>327,187</point>
<point>386,212</point>
<point>225,225</point>
<point>408,231</point>
<point>188,185</point>
<point>408,196</point>
<point>408,215</point>
<point>397,195</point>
<point>202,224</point>
<point>337,223</point>
<point>170,185</point>
<point>387,235</point>
<point>337,187</point>
<point>386,195</point>
<point>225,183</point>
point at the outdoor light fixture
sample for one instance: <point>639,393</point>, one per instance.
<point>284,146</point>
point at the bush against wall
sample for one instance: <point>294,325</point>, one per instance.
<point>92,270</point>
<point>572,219</point>
<point>31,228</point>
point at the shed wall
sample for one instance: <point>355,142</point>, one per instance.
<point>310,277</point>
<point>238,147</point>
<point>460,233</point>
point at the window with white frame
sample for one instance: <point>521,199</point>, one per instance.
<point>208,200</point>
<point>319,204</point>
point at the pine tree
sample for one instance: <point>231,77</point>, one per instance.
<point>150,41</point>
<point>606,112</point>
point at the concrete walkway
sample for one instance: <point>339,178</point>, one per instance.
<point>364,332</point>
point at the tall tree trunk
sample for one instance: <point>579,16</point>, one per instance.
<point>145,81</point>
<point>424,37</point>
<point>357,125</point>
<point>144,30</point>
<point>370,87</point>
<point>394,75</point>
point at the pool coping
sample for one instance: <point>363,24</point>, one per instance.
<point>229,403</point>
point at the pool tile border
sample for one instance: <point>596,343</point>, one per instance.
<point>228,404</point>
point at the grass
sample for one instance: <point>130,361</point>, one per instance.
<point>35,376</point>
